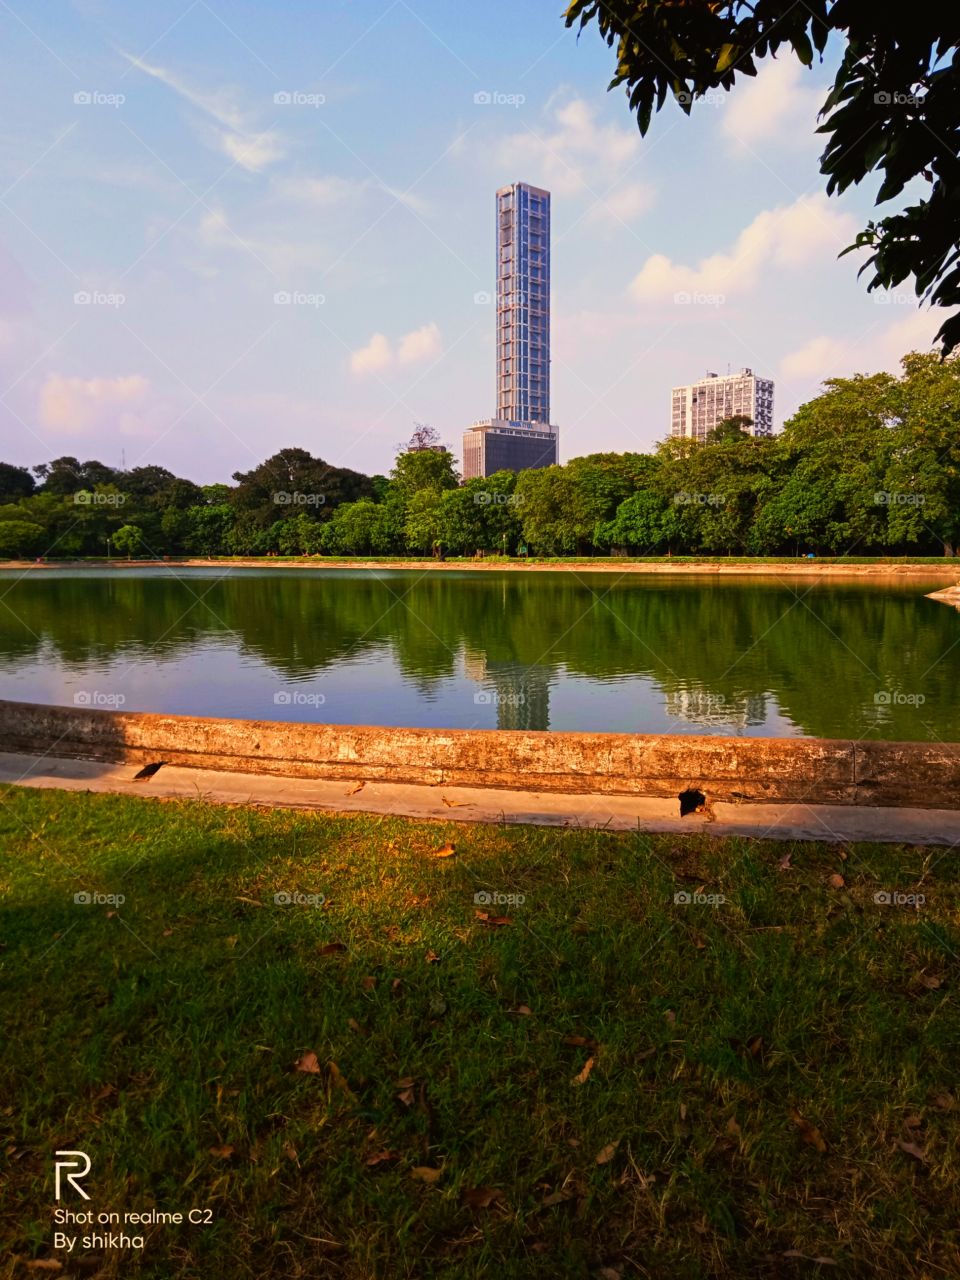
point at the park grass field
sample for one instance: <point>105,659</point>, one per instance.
<point>582,1076</point>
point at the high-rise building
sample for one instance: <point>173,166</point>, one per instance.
<point>697,408</point>
<point>520,436</point>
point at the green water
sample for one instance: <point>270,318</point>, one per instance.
<point>563,650</point>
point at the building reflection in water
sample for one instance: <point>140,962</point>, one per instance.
<point>521,695</point>
<point>700,706</point>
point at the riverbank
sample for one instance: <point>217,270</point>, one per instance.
<point>941,569</point>
<point>375,1047</point>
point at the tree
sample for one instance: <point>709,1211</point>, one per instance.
<point>67,475</point>
<point>15,482</point>
<point>423,468</point>
<point>127,540</point>
<point>734,428</point>
<point>894,108</point>
<point>363,528</point>
<point>19,538</point>
<point>293,481</point>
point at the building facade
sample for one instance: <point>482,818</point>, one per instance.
<point>521,435</point>
<point>697,408</point>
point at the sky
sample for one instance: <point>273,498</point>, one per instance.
<point>229,228</point>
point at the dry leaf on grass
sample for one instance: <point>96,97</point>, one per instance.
<point>309,1063</point>
<point>836,881</point>
<point>42,1264</point>
<point>912,1149</point>
<point>446,850</point>
<point>368,983</point>
<point>354,789</point>
<point>944,1101</point>
<point>784,862</point>
<point>456,804</point>
<point>481,1197</point>
<point>381,1157</point>
<point>354,1025</point>
<point>606,1154</point>
<point>493,922</point>
<point>331,948</point>
<point>290,1151</point>
<point>582,1042</point>
<point>523,1009</point>
<point>582,1076</point>
<point>423,1173</point>
<point>337,1079</point>
<point>808,1132</point>
<point>222,1153</point>
<point>431,957</point>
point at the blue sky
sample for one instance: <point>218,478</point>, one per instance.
<point>184,163</point>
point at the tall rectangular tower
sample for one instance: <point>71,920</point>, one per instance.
<point>523,304</point>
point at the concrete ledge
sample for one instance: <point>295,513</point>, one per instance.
<point>492,805</point>
<point>732,770</point>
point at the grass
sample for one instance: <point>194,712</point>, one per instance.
<point>765,1081</point>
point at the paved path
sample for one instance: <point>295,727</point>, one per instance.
<point>475,804</point>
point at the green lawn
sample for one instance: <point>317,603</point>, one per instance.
<point>594,1081</point>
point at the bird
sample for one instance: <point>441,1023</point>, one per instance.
<point>148,771</point>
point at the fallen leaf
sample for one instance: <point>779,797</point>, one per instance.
<point>354,789</point>
<point>232,940</point>
<point>337,1079</point>
<point>446,850</point>
<point>354,1025</point>
<point>733,1127</point>
<point>222,1153</point>
<point>556,1197</point>
<point>456,804</point>
<point>107,1091</point>
<point>431,957</point>
<point>647,1053</point>
<point>755,1046</point>
<point>784,862</point>
<point>406,1083</point>
<point>396,984</point>
<point>582,1042</point>
<point>331,948</point>
<point>43,1264</point>
<point>368,983</point>
<point>380,1157</point>
<point>481,1197</point>
<point>423,1173</point>
<point>808,1132</point>
<point>167,933</point>
<point>930,982</point>
<point>290,1151</point>
<point>912,1149</point>
<point>606,1154</point>
<point>581,1077</point>
<point>944,1101</point>
<point>493,922</point>
<point>523,1009</point>
<point>836,881</point>
<point>251,902</point>
<point>309,1063</point>
<point>683,1111</point>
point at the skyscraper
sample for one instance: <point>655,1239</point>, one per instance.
<point>697,408</point>
<point>520,436</point>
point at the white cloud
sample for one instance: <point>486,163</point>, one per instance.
<point>774,106</point>
<point>415,347</point>
<point>809,230</point>
<point>333,190</point>
<point>574,153</point>
<point>234,136</point>
<point>75,404</point>
<point>624,203</point>
<point>872,350</point>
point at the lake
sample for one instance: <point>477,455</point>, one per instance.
<point>564,650</point>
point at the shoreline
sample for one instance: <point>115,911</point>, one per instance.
<point>816,569</point>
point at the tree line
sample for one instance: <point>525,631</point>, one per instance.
<point>870,466</point>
